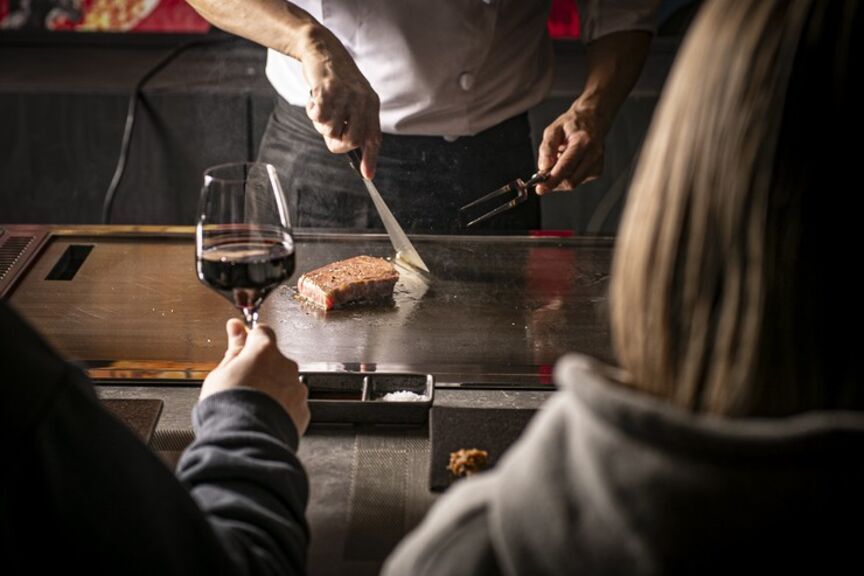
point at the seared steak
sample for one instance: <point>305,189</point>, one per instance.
<point>352,280</point>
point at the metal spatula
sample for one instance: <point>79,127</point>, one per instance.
<point>405,251</point>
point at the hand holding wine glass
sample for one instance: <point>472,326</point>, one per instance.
<point>244,247</point>
<point>253,361</point>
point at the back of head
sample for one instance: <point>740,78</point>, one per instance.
<point>731,291</point>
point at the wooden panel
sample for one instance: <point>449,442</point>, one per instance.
<point>133,301</point>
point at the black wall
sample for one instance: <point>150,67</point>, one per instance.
<point>62,112</point>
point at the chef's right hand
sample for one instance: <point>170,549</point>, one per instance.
<point>253,360</point>
<point>342,105</point>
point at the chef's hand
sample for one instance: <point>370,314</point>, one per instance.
<point>342,105</point>
<point>572,149</point>
<point>253,361</point>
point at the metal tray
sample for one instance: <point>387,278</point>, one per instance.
<point>361,397</point>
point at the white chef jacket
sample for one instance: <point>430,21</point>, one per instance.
<point>451,67</point>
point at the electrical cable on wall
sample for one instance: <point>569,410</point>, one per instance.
<point>120,169</point>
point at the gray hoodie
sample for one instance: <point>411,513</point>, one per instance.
<point>608,480</point>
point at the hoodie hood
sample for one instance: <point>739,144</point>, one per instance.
<point>612,480</point>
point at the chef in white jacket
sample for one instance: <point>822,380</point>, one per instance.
<point>435,95</point>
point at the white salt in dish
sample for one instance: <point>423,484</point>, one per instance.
<point>404,396</point>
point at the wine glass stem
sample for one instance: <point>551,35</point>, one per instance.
<point>251,317</point>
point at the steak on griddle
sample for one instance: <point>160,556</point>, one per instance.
<point>362,278</point>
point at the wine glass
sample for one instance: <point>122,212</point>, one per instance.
<point>243,243</point>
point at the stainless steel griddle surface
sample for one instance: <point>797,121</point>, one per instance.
<point>498,309</point>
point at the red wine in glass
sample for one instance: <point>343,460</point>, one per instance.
<point>244,247</point>
<point>244,272</point>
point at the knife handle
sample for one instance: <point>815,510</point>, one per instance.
<point>355,158</point>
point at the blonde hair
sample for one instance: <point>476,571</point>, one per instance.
<point>711,301</point>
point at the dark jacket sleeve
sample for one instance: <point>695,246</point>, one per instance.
<point>243,473</point>
<point>80,491</point>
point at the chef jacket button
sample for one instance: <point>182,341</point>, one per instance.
<point>466,81</point>
<point>450,138</point>
<point>488,2</point>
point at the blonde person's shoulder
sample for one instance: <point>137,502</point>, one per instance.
<point>454,537</point>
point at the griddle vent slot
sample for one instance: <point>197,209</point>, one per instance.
<point>70,262</point>
<point>11,250</point>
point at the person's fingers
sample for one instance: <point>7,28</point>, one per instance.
<point>553,138</point>
<point>345,113</point>
<point>335,132</point>
<point>314,110</point>
<point>262,337</point>
<point>334,138</point>
<point>570,160</point>
<point>355,132</point>
<point>260,343</point>
<point>339,122</point>
<point>340,138</point>
<point>577,150</point>
<point>341,128</point>
<point>363,124</point>
<point>370,156</point>
<point>357,135</point>
<point>236,339</point>
<point>325,105</point>
<point>589,170</point>
<point>332,124</point>
<point>322,129</point>
<point>337,146</point>
<point>301,422</point>
<point>547,154</point>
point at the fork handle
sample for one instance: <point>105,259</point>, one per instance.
<point>537,178</point>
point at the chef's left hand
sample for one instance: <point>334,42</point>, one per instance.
<point>572,149</point>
